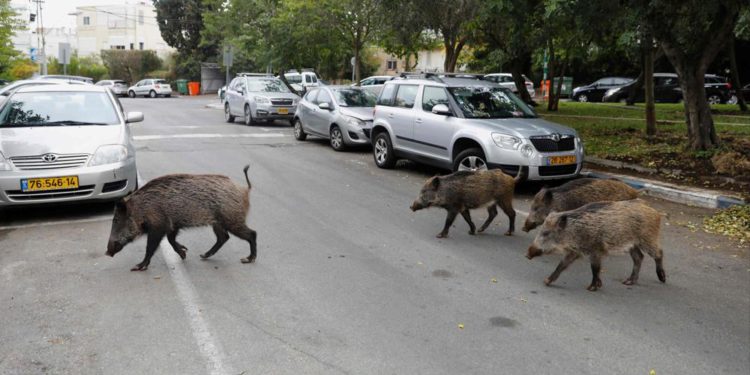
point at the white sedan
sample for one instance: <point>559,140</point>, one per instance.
<point>150,88</point>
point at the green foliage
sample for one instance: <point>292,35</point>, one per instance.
<point>88,66</point>
<point>130,65</point>
<point>8,25</point>
<point>21,68</point>
<point>182,25</point>
<point>732,222</point>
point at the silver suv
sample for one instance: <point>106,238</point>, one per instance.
<point>259,97</point>
<point>469,124</point>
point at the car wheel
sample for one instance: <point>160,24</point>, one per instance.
<point>152,94</point>
<point>168,96</point>
<point>583,98</point>
<point>337,139</point>
<point>382,151</point>
<point>248,116</point>
<point>732,99</point>
<point>470,160</point>
<point>227,114</point>
<point>299,132</point>
<point>714,99</point>
<point>131,94</point>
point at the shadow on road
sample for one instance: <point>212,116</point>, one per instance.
<point>53,212</point>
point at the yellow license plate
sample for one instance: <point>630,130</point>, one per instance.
<point>49,183</point>
<point>283,111</point>
<point>561,160</point>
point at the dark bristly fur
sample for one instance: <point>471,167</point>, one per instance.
<point>598,229</point>
<point>169,203</point>
<point>462,191</point>
<point>574,194</point>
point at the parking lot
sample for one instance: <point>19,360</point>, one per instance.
<point>348,279</point>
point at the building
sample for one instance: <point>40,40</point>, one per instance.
<point>23,39</point>
<point>130,26</point>
<point>427,61</point>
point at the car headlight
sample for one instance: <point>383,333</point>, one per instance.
<point>356,122</point>
<point>109,154</point>
<point>506,141</point>
<point>527,150</point>
<point>262,100</point>
<point>4,164</point>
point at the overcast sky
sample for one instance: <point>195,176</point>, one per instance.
<point>55,12</point>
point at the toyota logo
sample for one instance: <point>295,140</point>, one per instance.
<point>555,137</point>
<point>49,158</point>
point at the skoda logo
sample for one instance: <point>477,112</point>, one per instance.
<point>555,137</point>
<point>49,158</point>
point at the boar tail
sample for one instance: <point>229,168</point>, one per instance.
<point>249,185</point>
<point>520,176</point>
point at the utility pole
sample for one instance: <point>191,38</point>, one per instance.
<point>40,30</point>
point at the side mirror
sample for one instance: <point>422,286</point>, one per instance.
<point>132,117</point>
<point>441,109</point>
<point>325,106</point>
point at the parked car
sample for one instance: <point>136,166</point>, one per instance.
<point>63,143</point>
<point>506,80</point>
<point>667,89</point>
<point>342,114</point>
<point>68,78</point>
<point>745,92</point>
<point>150,87</point>
<point>259,97</point>
<point>118,87</point>
<point>469,124</point>
<point>374,84</point>
<point>595,91</point>
<point>305,79</point>
<point>5,91</point>
<point>718,89</point>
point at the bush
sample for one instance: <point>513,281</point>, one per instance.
<point>22,69</point>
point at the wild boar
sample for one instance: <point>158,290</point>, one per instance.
<point>598,229</point>
<point>173,202</point>
<point>574,194</point>
<point>462,191</point>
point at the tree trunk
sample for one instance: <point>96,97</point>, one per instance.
<point>516,69</point>
<point>551,64</point>
<point>356,63</point>
<point>700,123</point>
<point>555,98</point>
<point>648,78</point>
<point>736,76</point>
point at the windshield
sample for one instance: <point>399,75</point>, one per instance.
<point>57,109</point>
<point>354,98</point>
<point>293,78</point>
<point>489,102</point>
<point>266,85</point>
<point>160,82</point>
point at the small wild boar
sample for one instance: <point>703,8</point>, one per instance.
<point>173,202</point>
<point>574,194</point>
<point>598,229</point>
<point>462,191</point>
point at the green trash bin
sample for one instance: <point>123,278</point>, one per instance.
<point>567,86</point>
<point>182,87</point>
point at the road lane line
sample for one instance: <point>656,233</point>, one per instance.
<point>207,135</point>
<point>210,348</point>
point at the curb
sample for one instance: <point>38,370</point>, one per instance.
<point>675,193</point>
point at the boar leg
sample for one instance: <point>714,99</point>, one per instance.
<point>507,206</point>
<point>221,238</point>
<point>178,247</point>
<point>637,256</point>
<point>596,267</point>
<point>655,252</point>
<point>152,243</point>
<point>467,216</point>
<point>491,213</point>
<point>448,222</point>
<point>569,258</point>
<point>249,235</point>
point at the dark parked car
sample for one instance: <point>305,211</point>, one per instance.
<point>595,91</point>
<point>718,89</point>
<point>745,92</point>
<point>667,90</point>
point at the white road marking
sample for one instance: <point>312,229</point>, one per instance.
<point>59,222</point>
<point>207,135</point>
<point>210,348</point>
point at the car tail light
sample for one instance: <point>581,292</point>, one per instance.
<point>729,85</point>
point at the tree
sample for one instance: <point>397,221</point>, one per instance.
<point>692,33</point>
<point>130,65</point>
<point>87,66</point>
<point>742,31</point>
<point>8,25</point>
<point>357,22</point>
<point>454,22</point>
<point>403,33</point>
<point>181,23</point>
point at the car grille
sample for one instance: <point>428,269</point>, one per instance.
<point>30,163</point>
<point>19,195</point>
<point>282,102</point>
<point>557,170</point>
<point>545,143</point>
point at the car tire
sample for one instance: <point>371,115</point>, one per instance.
<point>248,118</point>
<point>471,159</point>
<point>714,99</point>
<point>168,96</point>
<point>131,94</point>
<point>382,151</point>
<point>336,138</point>
<point>299,132</point>
<point>227,115</point>
<point>732,99</point>
<point>152,94</point>
<point>583,98</point>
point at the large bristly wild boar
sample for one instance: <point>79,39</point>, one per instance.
<point>598,229</point>
<point>462,191</point>
<point>173,202</point>
<point>574,194</point>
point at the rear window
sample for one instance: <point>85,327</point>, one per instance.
<point>405,96</point>
<point>58,109</point>
<point>433,96</point>
<point>386,96</point>
<point>160,82</point>
<point>354,98</point>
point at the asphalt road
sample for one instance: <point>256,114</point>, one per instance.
<point>348,279</point>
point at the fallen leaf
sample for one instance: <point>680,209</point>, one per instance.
<point>460,326</point>
<point>494,280</point>
<point>157,277</point>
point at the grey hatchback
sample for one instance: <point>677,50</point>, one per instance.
<point>468,123</point>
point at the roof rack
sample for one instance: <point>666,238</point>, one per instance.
<point>439,76</point>
<point>254,75</point>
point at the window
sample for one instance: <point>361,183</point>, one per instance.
<point>308,79</point>
<point>58,109</point>
<point>131,45</point>
<point>405,96</point>
<point>433,96</point>
<point>311,96</point>
<point>391,65</point>
<point>140,17</point>
<point>487,102</point>
<point>266,85</point>
<point>386,96</point>
<point>86,20</point>
<point>140,46</point>
<point>323,97</point>
<point>367,82</point>
<point>354,98</point>
<point>117,47</point>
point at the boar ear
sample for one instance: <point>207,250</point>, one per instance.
<point>547,197</point>
<point>435,182</point>
<point>562,221</point>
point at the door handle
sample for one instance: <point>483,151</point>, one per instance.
<point>418,121</point>
<point>390,115</point>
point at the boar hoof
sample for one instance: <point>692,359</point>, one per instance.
<point>508,233</point>
<point>595,285</point>
<point>139,267</point>
<point>471,232</point>
<point>182,254</point>
<point>629,281</point>
<point>205,256</point>
<point>442,235</point>
<point>548,281</point>
<point>248,260</point>
<point>662,276</point>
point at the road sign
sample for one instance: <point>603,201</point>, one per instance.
<point>32,54</point>
<point>352,61</point>
<point>63,54</point>
<point>228,56</point>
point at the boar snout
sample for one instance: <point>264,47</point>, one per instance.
<point>533,252</point>
<point>527,226</point>
<point>416,206</point>
<point>113,248</point>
